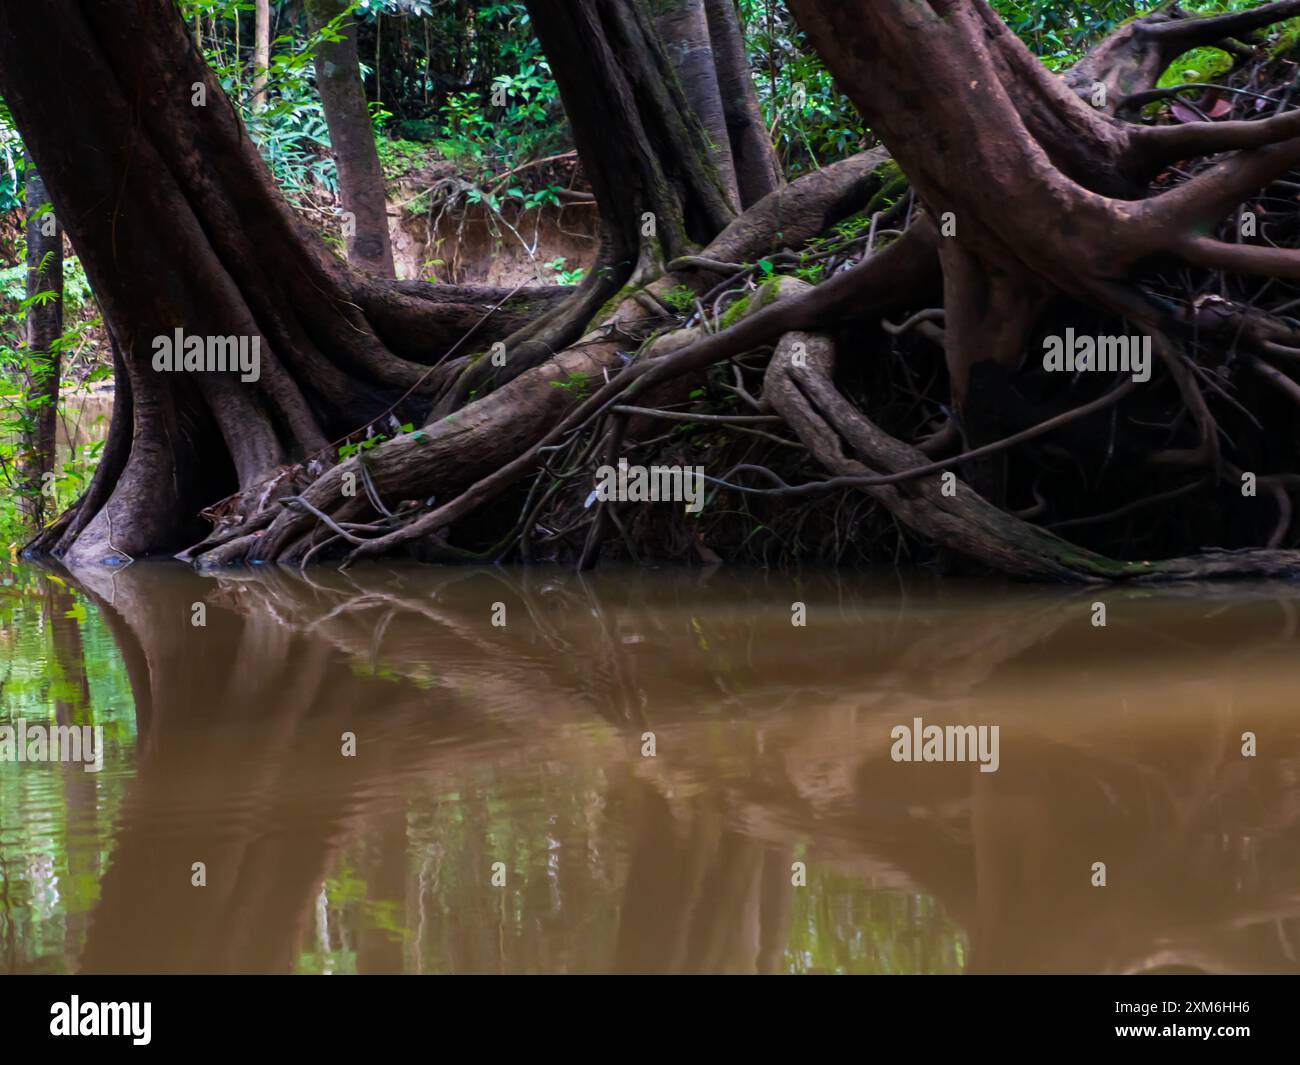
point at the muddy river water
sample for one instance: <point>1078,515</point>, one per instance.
<point>432,770</point>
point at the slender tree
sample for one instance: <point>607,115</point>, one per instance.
<point>43,361</point>
<point>261,51</point>
<point>361,179</point>
<point>758,172</point>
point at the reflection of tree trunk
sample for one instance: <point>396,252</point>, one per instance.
<point>241,770</point>
<point>700,898</point>
<point>725,932</point>
<point>655,916</point>
<point>380,950</point>
<point>777,903</point>
<point>72,707</point>
<point>1016,888</point>
<point>227,729</point>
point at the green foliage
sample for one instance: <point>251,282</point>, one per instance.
<point>575,384</point>
<point>1201,64</point>
<point>563,276</point>
<point>416,129</point>
<point>815,124</point>
<point>474,129</point>
<point>489,100</point>
<point>398,157</point>
<point>19,410</point>
<point>12,163</point>
<point>368,444</point>
<point>290,131</point>
<point>681,299</point>
<point>1060,30</point>
<point>13,291</point>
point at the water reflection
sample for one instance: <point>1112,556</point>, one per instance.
<point>523,745</point>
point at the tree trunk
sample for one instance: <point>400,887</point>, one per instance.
<point>684,26</point>
<point>658,187</point>
<point>42,364</point>
<point>758,172</point>
<point>337,350</point>
<point>613,72</point>
<point>361,180</point>
<point>261,51</point>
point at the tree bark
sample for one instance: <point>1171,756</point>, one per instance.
<point>361,179</point>
<point>684,26</point>
<point>613,73</point>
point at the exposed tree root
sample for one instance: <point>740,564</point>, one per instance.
<point>497,439</point>
<point>845,442</point>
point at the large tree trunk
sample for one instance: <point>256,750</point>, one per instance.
<point>43,360</point>
<point>361,180</point>
<point>337,350</point>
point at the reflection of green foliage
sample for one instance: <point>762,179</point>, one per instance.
<point>412,885</point>
<point>839,928</point>
<point>55,836</point>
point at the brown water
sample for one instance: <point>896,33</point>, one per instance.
<point>523,745</point>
